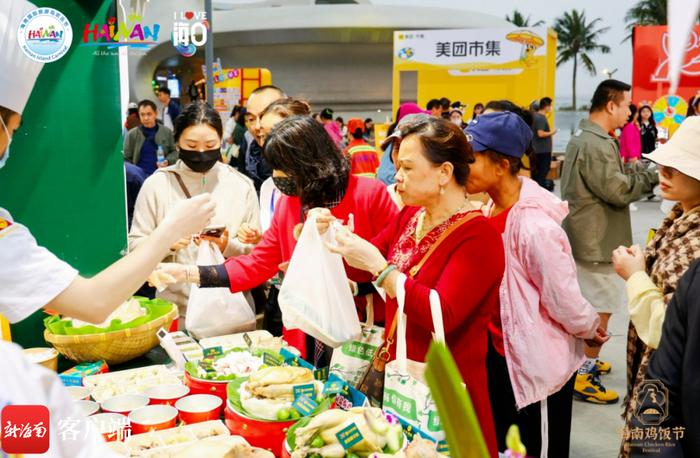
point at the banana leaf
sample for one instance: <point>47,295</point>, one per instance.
<point>454,405</point>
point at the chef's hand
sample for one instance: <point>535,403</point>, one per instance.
<point>628,261</point>
<point>180,244</point>
<point>358,252</point>
<point>188,217</point>
<point>248,234</point>
<point>601,336</point>
<point>221,241</point>
<point>323,218</point>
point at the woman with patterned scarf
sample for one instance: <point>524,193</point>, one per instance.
<point>653,275</point>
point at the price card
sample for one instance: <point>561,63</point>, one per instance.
<point>271,360</point>
<point>308,390</point>
<point>334,386</point>
<point>321,374</point>
<point>304,405</point>
<point>247,339</point>
<point>349,436</point>
<point>212,352</point>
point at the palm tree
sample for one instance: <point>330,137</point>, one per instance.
<point>576,38</point>
<point>519,20</point>
<point>646,12</point>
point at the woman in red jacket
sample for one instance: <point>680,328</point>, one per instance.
<point>465,268</point>
<point>312,172</point>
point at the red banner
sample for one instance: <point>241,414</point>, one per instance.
<point>650,79</point>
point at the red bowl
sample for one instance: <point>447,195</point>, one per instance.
<point>125,403</point>
<point>166,394</point>
<point>269,435</point>
<point>112,426</point>
<point>202,386</point>
<point>197,408</point>
<point>153,418</point>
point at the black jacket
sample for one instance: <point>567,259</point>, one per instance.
<point>676,364</point>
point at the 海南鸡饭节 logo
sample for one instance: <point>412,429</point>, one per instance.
<point>44,35</point>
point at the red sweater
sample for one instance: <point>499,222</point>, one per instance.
<point>373,209</point>
<point>466,270</point>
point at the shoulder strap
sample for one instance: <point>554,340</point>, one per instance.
<point>415,269</point>
<point>389,335</point>
<point>181,183</point>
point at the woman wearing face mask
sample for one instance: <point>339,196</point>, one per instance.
<point>311,172</point>
<point>198,133</point>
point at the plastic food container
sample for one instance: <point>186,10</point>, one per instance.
<point>197,408</point>
<point>112,426</point>
<point>153,418</point>
<point>79,392</point>
<point>166,394</point>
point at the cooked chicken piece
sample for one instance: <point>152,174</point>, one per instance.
<point>279,376</point>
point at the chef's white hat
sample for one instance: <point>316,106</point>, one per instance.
<point>18,72</point>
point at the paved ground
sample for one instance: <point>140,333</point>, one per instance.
<point>596,429</point>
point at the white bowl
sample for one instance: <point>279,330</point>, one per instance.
<point>125,403</point>
<point>79,392</point>
<point>88,407</point>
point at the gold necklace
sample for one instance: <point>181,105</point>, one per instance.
<point>422,231</point>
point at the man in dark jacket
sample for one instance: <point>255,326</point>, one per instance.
<point>672,401</point>
<point>141,143</point>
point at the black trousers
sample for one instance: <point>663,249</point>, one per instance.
<point>541,165</point>
<point>528,419</point>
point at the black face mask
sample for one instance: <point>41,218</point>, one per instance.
<point>286,185</point>
<point>200,162</point>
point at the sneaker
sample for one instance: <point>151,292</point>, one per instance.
<point>602,367</point>
<point>588,388</point>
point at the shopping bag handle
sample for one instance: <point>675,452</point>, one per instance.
<point>435,311</point>
<point>370,311</point>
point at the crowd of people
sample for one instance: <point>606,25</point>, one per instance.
<point>527,281</point>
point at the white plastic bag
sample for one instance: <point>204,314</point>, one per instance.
<point>216,311</point>
<point>315,295</point>
<point>406,394</point>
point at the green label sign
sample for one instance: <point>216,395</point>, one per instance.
<point>349,436</point>
<point>404,406</point>
<point>304,405</point>
<point>321,374</point>
<point>434,421</point>
<point>212,352</point>
<point>308,390</point>
<point>359,350</point>
<point>271,360</point>
<point>247,340</point>
<point>333,387</point>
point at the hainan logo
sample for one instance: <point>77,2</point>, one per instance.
<point>131,33</point>
<point>44,35</point>
<point>189,31</point>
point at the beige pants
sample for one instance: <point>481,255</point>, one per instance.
<point>601,286</point>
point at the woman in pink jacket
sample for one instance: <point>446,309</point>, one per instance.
<point>536,343</point>
<point>631,138</point>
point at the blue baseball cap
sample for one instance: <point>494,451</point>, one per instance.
<point>504,132</point>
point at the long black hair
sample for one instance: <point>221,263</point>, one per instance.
<point>652,121</point>
<point>300,147</point>
<point>197,113</point>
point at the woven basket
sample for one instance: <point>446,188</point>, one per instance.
<point>114,347</point>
